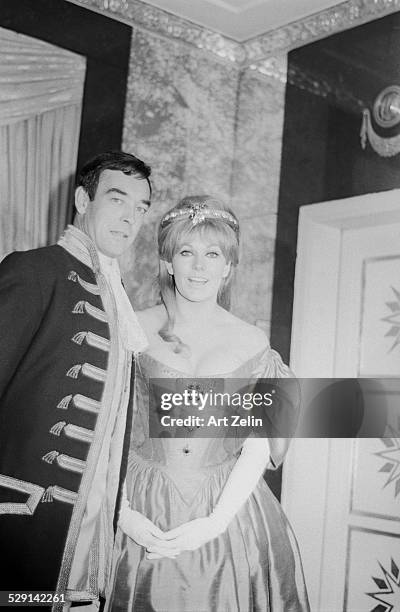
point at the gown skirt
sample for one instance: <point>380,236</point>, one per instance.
<point>254,566</point>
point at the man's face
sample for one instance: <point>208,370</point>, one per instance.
<point>116,213</point>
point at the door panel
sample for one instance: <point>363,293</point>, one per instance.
<point>351,548</point>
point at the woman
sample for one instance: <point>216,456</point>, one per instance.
<point>199,529</point>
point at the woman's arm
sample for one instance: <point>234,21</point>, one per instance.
<point>143,531</point>
<point>256,455</point>
<point>242,481</point>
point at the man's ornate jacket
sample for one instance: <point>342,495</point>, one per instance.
<point>58,362</point>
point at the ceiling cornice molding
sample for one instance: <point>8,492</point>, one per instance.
<point>157,21</point>
<point>330,21</point>
<point>256,53</point>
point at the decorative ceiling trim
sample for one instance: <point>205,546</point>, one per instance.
<point>256,52</point>
<point>336,19</point>
<point>161,22</point>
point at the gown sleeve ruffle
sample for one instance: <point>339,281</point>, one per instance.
<point>281,418</point>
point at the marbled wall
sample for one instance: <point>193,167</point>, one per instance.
<point>180,118</point>
<point>206,127</point>
<point>255,185</point>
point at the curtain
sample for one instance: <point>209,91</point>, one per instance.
<point>41,88</point>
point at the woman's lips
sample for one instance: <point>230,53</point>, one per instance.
<point>198,280</point>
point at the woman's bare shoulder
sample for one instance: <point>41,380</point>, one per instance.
<point>252,338</point>
<point>152,319</point>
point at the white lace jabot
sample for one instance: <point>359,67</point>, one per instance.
<point>131,333</point>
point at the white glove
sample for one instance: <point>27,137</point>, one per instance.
<point>144,532</point>
<point>193,534</point>
<point>242,481</point>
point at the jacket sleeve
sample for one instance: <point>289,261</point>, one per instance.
<point>20,312</point>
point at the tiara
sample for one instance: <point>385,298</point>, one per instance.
<point>198,213</point>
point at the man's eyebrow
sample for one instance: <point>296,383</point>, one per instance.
<point>116,190</point>
<point>124,193</point>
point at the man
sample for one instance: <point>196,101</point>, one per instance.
<point>67,333</point>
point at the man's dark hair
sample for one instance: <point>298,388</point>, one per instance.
<point>89,176</point>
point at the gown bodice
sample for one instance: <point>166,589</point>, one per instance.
<point>196,449</point>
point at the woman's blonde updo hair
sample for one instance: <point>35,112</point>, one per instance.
<point>195,215</point>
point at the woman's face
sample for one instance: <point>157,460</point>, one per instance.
<point>198,268</point>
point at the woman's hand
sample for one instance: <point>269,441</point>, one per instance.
<point>147,534</point>
<point>193,534</point>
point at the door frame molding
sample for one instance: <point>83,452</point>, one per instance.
<point>316,293</point>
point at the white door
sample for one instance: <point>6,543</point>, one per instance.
<point>342,496</point>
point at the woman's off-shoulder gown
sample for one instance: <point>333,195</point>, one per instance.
<point>253,566</point>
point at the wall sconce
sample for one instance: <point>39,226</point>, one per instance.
<point>386,113</point>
